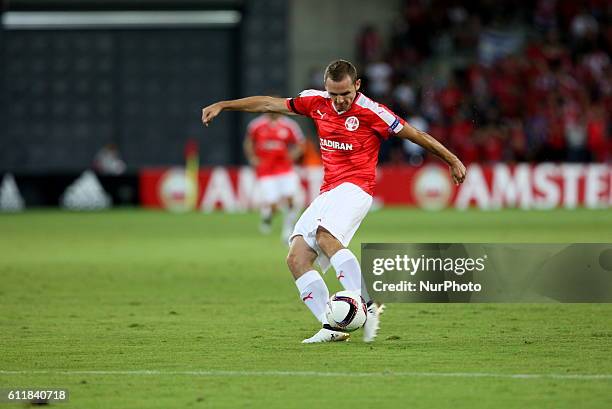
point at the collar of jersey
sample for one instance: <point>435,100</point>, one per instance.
<point>359,94</point>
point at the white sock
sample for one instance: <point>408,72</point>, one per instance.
<point>290,217</point>
<point>288,223</point>
<point>348,271</point>
<point>265,212</point>
<point>314,293</point>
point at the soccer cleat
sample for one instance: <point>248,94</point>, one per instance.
<point>372,324</point>
<point>327,334</point>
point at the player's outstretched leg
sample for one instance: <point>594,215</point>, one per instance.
<point>313,290</point>
<point>348,272</point>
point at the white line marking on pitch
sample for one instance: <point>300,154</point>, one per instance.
<point>316,373</point>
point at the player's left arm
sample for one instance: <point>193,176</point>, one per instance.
<point>428,142</point>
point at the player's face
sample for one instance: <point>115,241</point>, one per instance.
<point>343,92</point>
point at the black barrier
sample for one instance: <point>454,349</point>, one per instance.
<point>46,189</point>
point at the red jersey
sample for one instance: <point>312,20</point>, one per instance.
<point>349,140</point>
<point>271,140</point>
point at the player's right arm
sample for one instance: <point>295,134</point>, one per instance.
<point>250,104</point>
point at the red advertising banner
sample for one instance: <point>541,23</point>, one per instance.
<point>525,186</point>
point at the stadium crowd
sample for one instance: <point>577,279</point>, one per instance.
<point>497,80</point>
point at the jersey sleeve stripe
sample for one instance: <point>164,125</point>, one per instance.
<point>396,126</point>
<point>392,120</point>
<point>386,116</point>
<point>314,93</point>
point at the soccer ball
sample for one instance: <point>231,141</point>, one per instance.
<point>346,310</point>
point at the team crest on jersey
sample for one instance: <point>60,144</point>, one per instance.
<point>351,123</point>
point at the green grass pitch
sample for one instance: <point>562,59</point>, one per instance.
<point>141,309</point>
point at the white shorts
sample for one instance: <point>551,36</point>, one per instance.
<point>340,211</point>
<point>275,187</point>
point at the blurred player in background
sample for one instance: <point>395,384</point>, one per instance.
<point>272,143</point>
<point>350,127</point>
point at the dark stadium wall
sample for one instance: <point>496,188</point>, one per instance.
<point>265,58</point>
<point>68,92</point>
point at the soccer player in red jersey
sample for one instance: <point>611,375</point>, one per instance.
<point>271,145</point>
<point>350,127</point>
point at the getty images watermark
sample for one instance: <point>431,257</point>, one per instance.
<point>413,265</point>
<point>480,272</point>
